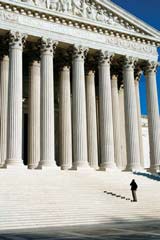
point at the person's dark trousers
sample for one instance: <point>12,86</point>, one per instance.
<point>134,195</point>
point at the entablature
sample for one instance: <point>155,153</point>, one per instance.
<point>40,21</point>
<point>99,16</point>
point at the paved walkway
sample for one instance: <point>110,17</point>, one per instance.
<point>148,230</point>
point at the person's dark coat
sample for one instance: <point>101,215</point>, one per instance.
<point>133,185</point>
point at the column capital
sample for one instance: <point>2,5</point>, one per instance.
<point>90,72</point>
<point>114,77</point>
<point>121,88</point>
<point>105,57</point>
<point>4,57</point>
<point>79,52</point>
<point>137,75</point>
<point>35,63</point>
<point>129,63</point>
<point>151,67</point>
<point>114,81</point>
<point>17,39</point>
<point>65,68</point>
<point>48,46</point>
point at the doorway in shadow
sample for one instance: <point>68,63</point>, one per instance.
<point>25,139</point>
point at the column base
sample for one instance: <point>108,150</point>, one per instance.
<point>95,167</point>
<point>81,166</point>
<point>65,167</point>
<point>133,168</point>
<point>3,166</point>
<point>108,167</point>
<point>32,166</point>
<point>14,163</point>
<point>47,165</point>
<point>154,169</point>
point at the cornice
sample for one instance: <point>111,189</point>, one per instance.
<point>131,18</point>
<point>78,22</point>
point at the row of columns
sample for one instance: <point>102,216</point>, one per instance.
<point>78,133</point>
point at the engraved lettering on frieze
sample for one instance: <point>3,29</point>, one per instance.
<point>9,16</point>
<point>113,41</point>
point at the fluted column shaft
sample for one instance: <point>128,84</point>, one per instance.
<point>65,126</point>
<point>14,133</point>
<point>153,116</point>
<point>47,152</point>
<point>91,120</point>
<point>122,127</point>
<point>131,120</point>
<point>139,122</point>
<point>4,74</point>
<point>80,156</point>
<point>105,109</point>
<point>34,115</point>
<point>116,122</point>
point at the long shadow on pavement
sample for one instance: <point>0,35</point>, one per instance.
<point>155,177</point>
<point>117,230</point>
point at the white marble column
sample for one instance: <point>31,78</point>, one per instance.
<point>65,127</point>
<point>122,127</point>
<point>139,120</point>
<point>80,154</point>
<point>131,120</point>
<point>116,122</point>
<point>91,120</point>
<point>4,74</point>
<point>105,113</point>
<point>47,148</point>
<point>34,115</point>
<point>153,116</point>
<point>14,132</point>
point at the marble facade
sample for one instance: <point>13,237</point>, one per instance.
<point>69,91</point>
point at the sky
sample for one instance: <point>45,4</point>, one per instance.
<point>149,12</point>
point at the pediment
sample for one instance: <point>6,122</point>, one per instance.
<point>98,12</point>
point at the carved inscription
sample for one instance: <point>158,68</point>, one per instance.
<point>8,16</point>
<point>113,41</point>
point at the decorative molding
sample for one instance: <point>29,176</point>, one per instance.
<point>129,62</point>
<point>88,9</point>
<point>137,74</point>
<point>48,45</point>
<point>17,39</point>
<point>106,21</point>
<point>79,52</point>
<point>151,67</point>
<point>129,44</point>
<point>82,10</point>
<point>8,16</point>
<point>137,46</point>
<point>104,57</point>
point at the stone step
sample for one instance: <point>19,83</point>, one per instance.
<point>36,199</point>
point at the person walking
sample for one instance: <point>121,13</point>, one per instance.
<point>134,187</point>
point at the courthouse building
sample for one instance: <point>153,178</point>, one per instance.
<point>69,74</point>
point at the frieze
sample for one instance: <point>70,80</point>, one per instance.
<point>88,9</point>
<point>8,16</point>
<point>128,44</point>
<point>117,43</point>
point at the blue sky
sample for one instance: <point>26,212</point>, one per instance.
<point>149,12</point>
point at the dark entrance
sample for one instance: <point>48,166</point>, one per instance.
<point>25,139</point>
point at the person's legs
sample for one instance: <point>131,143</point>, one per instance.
<point>134,196</point>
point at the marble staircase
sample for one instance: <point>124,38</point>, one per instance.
<point>44,198</point>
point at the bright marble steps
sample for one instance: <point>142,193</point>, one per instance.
<point>41,198</point>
